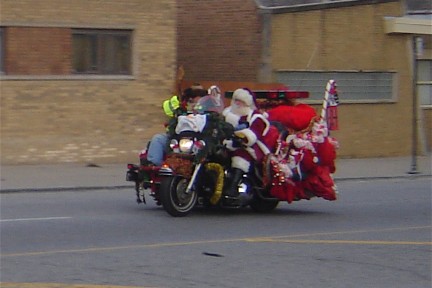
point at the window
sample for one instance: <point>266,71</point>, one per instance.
<point>424,81</point>
<point>99,51</point>
<point>292,3</point>
<point>355,86</point>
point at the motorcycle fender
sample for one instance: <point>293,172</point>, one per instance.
<point>177,164</point>
<point>131,176</point>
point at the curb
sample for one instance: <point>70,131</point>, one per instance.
<point>411,176</point>
<point>65,189</point>
<point>131,186</point>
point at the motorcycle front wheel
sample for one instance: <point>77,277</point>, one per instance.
<point>175,200</point>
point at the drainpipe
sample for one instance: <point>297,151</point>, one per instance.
<point>265,68</point>
<point>417,43</point>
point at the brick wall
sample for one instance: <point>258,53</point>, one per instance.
<point>426,120</point>
<point>49,117</point>
<point>38,51</point>
<point>219,40</point>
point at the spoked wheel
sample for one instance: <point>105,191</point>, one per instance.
<point>174,198</point>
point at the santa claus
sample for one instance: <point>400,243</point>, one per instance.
<point>251,127</point>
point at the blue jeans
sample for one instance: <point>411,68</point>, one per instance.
<point>156,150</point>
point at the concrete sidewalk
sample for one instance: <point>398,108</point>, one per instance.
<point>54,177</point>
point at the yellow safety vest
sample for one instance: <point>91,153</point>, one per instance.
<point>169,106</point>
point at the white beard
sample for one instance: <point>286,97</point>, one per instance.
<point>240,111</point>
<point>233,114</point>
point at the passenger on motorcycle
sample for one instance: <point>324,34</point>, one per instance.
<point>251,127</point>
<point>213,102</point>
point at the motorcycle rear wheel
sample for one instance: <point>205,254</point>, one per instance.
<point>174,198</point>
<point>263,206</point>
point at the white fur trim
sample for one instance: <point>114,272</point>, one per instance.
<point>240,163</point>
<point>243,95</point>
<point>263,147</point>
<point>290,138</point>
<point>252,152</point>
<point>249,134</point>
<point>229,144</point>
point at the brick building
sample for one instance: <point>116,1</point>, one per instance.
<point>219,40</point>
<point>83,81</point>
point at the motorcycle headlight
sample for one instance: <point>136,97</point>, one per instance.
<point>185,145</point>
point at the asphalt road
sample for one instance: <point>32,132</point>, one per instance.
<point>377,234</point>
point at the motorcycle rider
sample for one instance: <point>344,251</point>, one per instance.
<point>172,107</point>
<point>251,127</point>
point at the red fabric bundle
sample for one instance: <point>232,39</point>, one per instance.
<point>295,117</point>
<point>289,192</point>
<point>300,191</point>
<point>307,164</point>
<point>282,192</point>
<point>320,183</point>
<point>327,154</point>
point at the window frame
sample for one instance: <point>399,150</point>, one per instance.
<point>99,50</point>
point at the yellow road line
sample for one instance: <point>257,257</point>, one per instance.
<point>101,249</point>
<point>357,242</point>
<point>353,232</point>
<point>252,239</point>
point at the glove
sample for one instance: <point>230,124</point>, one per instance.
<point>229,144</point>
<point>242,126</point>
<point>237,142</point>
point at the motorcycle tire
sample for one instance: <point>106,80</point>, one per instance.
<point>263,206</point>
<point>174,198</point>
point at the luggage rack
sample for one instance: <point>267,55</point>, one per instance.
<point>267,99</point>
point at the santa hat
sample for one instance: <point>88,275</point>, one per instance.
<point>245,95</point>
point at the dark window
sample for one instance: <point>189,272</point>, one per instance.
<point>101,51</point>
<point>424,81</point>
<point>370,86</point>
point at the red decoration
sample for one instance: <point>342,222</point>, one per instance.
<point>326,152</point>
<point>332,118</point>
<point>320,183</point>
<point>296,117</point>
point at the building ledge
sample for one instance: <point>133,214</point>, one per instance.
<point>66,77</point>
<point>299,6</point>
<point>409,25</point>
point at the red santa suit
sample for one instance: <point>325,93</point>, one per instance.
<point>251,126</point>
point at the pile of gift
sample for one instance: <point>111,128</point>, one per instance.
<point>304,161</point>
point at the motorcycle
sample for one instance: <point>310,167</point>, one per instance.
<point>197,166</point>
